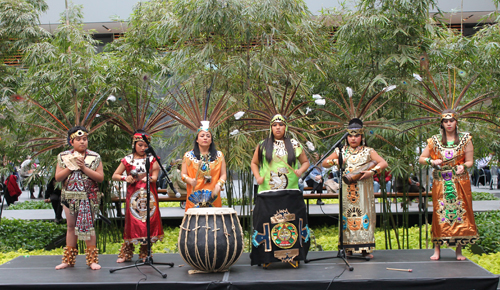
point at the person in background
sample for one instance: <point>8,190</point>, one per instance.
<point>388,182</point>
<point>483,164</point>
<point>315,178</point>
<point>53,195</point>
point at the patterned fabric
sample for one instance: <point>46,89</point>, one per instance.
<point>280,228</point>
<point>81,194</point>
<point>278,174</point>
<point>358,203</point>
<point>135,231</point>
<point>453,219</point>
<point>201,170</point>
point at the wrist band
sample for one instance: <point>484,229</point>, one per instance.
<point>428,161</point>
<point>376,169</point>
<point>183,178</point>
<point>329,162</point>
<point>221,182</point>
<point>123,178</point>
<point>465,166</point>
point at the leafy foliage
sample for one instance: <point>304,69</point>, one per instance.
<point>488,226</point>
<point>27,235</point>
<point>30,204</point>
<point>483,196</point>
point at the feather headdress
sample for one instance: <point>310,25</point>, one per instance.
<point>447,99</point>
<point>277,108</point>
<point>58,127</point>
<point>349,111</point>
<point>141,113</point>
<point>191,116</point>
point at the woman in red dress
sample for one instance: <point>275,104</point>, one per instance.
<point>135,232</point>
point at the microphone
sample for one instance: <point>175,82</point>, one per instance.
<point>134,173</point>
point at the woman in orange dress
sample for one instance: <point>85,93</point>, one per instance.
<point>451,153</point>
<point>203,171</point>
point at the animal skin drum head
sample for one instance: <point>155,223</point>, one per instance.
<point>210,210</point>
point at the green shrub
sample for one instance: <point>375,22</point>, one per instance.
<point>488,226</point>
<point>484,196</point>
<point>30,204</point>
<point>28,235</point>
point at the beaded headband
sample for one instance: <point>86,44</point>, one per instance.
<point>354,132</point>
<point>278,118</point>
<point>138,137</point>
<point>448,116</point>
<point>78,133</point>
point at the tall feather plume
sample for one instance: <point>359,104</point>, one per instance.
<point>267,100</point>
<point>436,105</point>
<point>362,110</point>
<point>57,127</point>
<point>141,112</point>
<point>190,113</point>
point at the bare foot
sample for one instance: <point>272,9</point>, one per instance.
<point>95,266</point>
<point>62,266</point>
<point>458,252</point>
<point>437,253</point>
<point>120,260</point>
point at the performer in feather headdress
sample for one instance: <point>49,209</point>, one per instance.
<point>80,170</point>
<point>144,120</point>
<point>203,167</point>
<point>277,164</point>
<point>450,153</point>
<point>363,162</point>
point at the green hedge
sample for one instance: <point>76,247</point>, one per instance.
<point>28,235</point>
<point>30,204</point>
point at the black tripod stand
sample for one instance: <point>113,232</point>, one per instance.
<point>149,259</point>
<point>341,252</point>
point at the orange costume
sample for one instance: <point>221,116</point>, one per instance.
<point>202,170</point>
<point>453,219</point>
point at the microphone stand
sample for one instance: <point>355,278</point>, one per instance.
<point>341,252</point>
<point>149,259</point>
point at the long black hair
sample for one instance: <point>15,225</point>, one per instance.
<point>138,131</point>
<point>268,144</point>
<point>211,149</point>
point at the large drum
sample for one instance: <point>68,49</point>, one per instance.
<point>210,239</point>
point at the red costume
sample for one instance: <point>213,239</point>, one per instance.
<point>135,213</point>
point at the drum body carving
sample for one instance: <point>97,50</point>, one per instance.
<point>210,239</point>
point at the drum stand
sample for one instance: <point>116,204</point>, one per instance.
<point>149,259</point>
<point>341,252</point>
